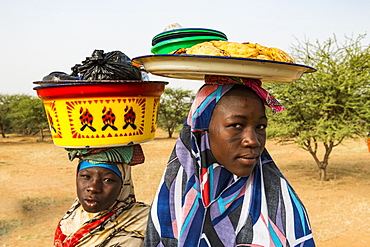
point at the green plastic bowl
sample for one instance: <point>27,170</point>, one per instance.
<point>186,32</point>
<point>168,46</point>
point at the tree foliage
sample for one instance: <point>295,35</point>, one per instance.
<point>173,109</point>
<point>328,106</point>
<point>23,114</point>
<point>4,112</point>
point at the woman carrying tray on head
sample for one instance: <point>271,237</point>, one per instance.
<point>105,212</point>
<point>221,187</point>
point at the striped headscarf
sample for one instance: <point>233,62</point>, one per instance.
<point>200,203</point>
<point>254,84</point>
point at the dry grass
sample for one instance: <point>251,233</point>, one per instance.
<point>339,209</point>
<point>37,182</point>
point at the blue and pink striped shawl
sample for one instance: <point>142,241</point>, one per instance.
<point>200,203</point>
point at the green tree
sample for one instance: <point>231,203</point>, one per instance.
<point>5,112</point>
<point>173,108</point>
<point>27,115</point>
<point>328,106</point>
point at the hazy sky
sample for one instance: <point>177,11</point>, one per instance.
<point>40,36</point>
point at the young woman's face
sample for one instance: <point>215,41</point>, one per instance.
<point>237,131</point>
<point>97,188</point>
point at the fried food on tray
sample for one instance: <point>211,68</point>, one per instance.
<point>206,48</point>
<point>233,49</point>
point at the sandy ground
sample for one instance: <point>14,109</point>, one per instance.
<point>37,187</point>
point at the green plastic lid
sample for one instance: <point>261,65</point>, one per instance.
<point>206,31</point>
<point>168,46</point>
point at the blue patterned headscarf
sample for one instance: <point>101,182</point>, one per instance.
<point>200,203</point>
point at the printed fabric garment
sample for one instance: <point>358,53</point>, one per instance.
<point>200,203</point>
<point>120,226</point>
<point>131,155</point>
<point>123,224</point>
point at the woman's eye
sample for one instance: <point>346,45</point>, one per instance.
<point>236,126</point>
<point>262,126</point>
<point>84,176</point>
<point>108,180</point>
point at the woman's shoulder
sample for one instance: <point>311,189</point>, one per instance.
<point>139,209</point>
<point>136,215</point>
<point>130,226</point>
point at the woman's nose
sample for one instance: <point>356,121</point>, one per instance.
<point>94,186</point>
<point>250,139</point>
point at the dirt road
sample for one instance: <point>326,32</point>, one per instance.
<point>37,187</point>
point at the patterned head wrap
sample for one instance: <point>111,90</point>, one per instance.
<point>200,203</point>
<point>254,84</point>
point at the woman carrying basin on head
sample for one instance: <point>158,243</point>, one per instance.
<point>221,187</point>
<point>105,212</point>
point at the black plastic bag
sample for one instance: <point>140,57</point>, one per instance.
<point>113,65</point>
<point>59,76</point>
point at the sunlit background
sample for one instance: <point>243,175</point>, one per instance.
<point>41,36</point>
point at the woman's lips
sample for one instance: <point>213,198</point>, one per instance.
<point>248,160</point>
<point>90,203</point>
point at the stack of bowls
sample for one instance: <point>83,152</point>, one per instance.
<point>169,41</point>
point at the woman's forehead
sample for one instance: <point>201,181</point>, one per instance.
<point>239,90</point>
<point>239,95</point>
